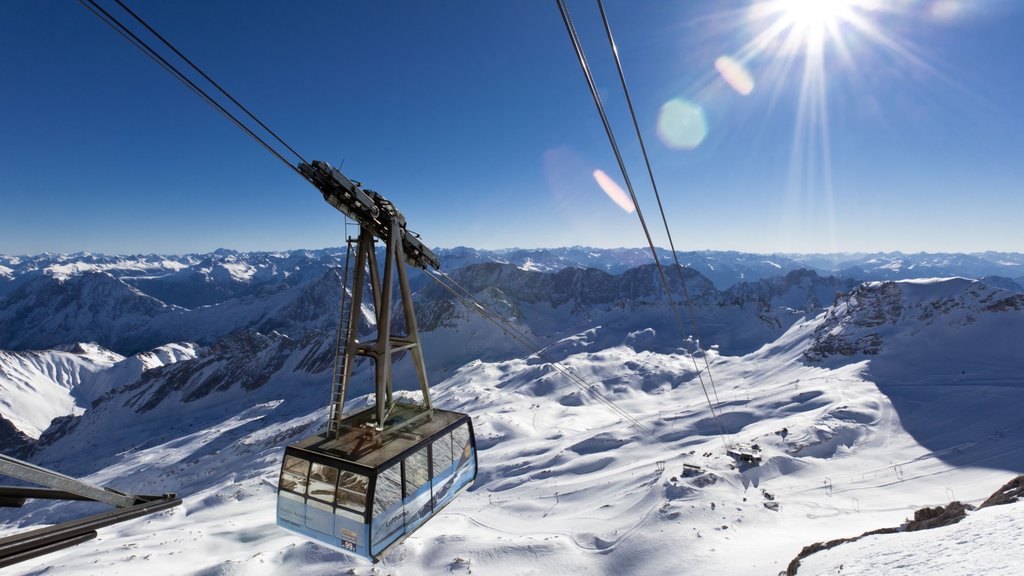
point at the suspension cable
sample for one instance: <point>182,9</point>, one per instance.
<point>208,79</point>
<point>567,19</point>
<point>657,196</point>
<point>467,299</point>
<point>114,23</point>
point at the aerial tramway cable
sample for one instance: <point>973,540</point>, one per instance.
<point>114,23</point>
<point>654,186</point>
<point>466,298</point>
<point>472,302</point>
<point>208,79</point>
<point>581,56</point>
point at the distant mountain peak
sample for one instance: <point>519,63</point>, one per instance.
<point>874,312</point>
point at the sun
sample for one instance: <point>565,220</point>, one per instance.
<point>798,43</point>
<point>811,15</point>
<point>800,50</point>
<point>808,25</point>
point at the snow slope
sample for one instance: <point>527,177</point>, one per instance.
<point>36,387</point>
<point>99,307</point>
<point>39,386</point>
<point>986,542</point>
<point>567,485</point>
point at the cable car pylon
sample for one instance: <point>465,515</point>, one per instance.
<point>373,477</point>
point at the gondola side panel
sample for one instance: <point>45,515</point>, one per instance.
<point>388,522</point>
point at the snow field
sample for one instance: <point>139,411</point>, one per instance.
<point>568,485</point>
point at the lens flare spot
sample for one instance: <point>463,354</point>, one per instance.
<point>735,74</point>
<point>614,191</point>
<point>681,124</point>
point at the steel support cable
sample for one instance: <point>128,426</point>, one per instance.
<point>471,302</point>
<point>567,19</point>
<point>657,196</point>
<point>573,378</point>
<point>135,43</point>
<point>114,23</point>
<point>208,79</point>
<point>467,299</point>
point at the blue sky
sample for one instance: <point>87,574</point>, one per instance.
<point>474,118</point>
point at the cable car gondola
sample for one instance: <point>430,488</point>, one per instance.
<point>363,498</point>
<point>371,478</point>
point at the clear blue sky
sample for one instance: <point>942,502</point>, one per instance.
<point>903,130</point>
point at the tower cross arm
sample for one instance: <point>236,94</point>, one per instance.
<point>369,209</point>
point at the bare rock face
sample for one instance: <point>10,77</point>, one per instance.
<point>12,441</point>
<point>1008,494</point>
<point>927,518</point>
<point>854,325</point>
<point>874,312</point>
<point>924,519</point>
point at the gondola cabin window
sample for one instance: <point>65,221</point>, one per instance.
<point>460,443</point>
<point>322,480</point>
<point>292,487</point>
<point>418,504</point>
<point>442,450</point>
<point>417,474</point>
<point>387,506</point>
<point>293,475</point>
<point>352,492</point>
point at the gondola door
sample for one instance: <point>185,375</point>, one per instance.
<point>418,502</point>
<point>402,500</point>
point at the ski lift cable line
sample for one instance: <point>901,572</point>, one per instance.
<point>924,462</point>
<point>657,195</point>
<point>534,348</point>
<point>470,301</point>
<point>581,57</point>
<point>524,340</point>
<point>208,79</point>
<point>114,23</point>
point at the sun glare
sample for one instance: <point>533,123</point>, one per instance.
<point>792,49</point>
<point>815,14</point>
<point>799,42</point>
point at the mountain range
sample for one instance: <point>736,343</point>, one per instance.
<point>867,398</point>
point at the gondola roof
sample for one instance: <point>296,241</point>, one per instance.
<point>406,428</point>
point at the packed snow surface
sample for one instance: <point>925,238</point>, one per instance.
<point>851,440</point>
<point>986,542</point>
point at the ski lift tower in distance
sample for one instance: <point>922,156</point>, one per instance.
<point>371,478</point>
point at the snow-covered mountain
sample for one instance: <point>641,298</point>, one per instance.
<point>866,401</point>
<point>98,306</point>
<point>575,301</point>
<point>192,280</point>
<point>723,268</point>
<point>900,266</point>
<point>37,387</point>
<point>188,280</point>
<point>879,311</point>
